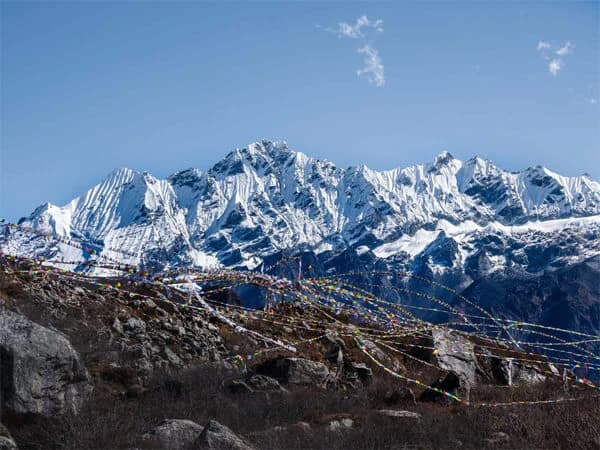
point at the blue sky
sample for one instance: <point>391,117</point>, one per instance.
<point>90,86</point>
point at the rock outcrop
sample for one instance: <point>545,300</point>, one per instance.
<point>472,365</point>
<point>296,371</point>
<point>40,371</point>
<point>218,436</point>
<point>456,354</point>
<point>174,434</point>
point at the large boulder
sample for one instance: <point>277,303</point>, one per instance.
<point>218,436</point>
<point>381,356</point>
<point>40,371</point>
<point>456,354</point>
<point>6,440</point>
<point>359,371</point>
<point>297,371</point>
<point>174,434</point>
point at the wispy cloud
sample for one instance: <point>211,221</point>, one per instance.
<point>565,49</point>
<point>554,66</point>
<point>554,56</point>
<point>373,69</point>
<point>542,45</point>
<point>356,31</point>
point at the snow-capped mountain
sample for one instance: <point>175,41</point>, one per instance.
<point>265,198</point>
<point>525,245</point>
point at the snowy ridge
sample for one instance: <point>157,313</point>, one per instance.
<point>265,198</point>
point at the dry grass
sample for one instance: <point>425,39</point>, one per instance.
<point>111,422</point>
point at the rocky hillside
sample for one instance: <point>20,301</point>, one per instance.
<point>108,363</point>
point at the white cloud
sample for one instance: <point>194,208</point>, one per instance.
<point>554,66</point>
<point>592,100</point>
<point>548,52</point>
<point>346,30</point>
<point>542,45</point>
<point>373,69</point>
<point>565,49</point>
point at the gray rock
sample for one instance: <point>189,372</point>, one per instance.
<point>303,427</point>
<point>7,443</point>
<point>117,326</point>
<point>528,375</point>
<point>40,371</point>
<point>172,357</point>
<point>148,305</point>
<point>6,440</point>
<point>218,436</point>
<point>134,325</point>
<point>296,428</point>
<point>382,356</point>
<point>498,437</point>
<point>340,424</point>
<point>363,372</point>
<point>264,383</point>
<point>174,434</point>
<point>456,354</point>
<point>296,371</point>
<point>398,413</point>
<point>510,372</point>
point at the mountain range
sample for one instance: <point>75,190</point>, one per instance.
<point>466,224</point>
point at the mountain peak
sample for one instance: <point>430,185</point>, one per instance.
<point>275,146</point>
<point>120,176</point>
<point>120,172</point>
<point>254,155</point>
<point>443,158</point>
<point>265,148</point>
